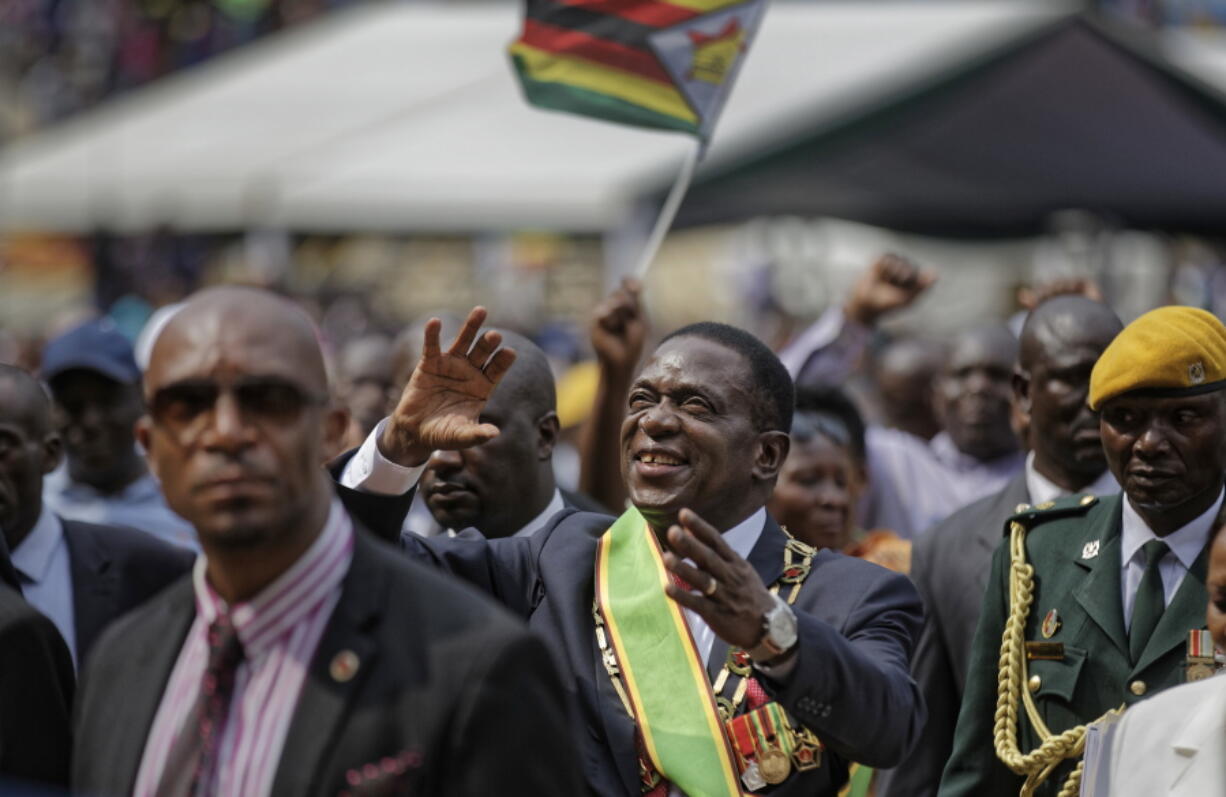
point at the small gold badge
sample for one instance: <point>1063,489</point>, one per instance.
<point>1196,373</point>
<point>1090,550</point>
<point>344,666</point>
<point>1051,624</point>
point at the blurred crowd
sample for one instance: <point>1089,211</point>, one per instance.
<point>245,435</point>
<point>58,57</point>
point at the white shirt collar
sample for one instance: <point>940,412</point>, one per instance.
<point>744,536</point>
<point>556,505</point>
<point>1043,489</point>
<point>1186,543</point>
<point>33,556</point>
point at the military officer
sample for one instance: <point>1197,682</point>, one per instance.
<point>1093,602</point>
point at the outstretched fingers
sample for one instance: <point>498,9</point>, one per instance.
<point>468,333</point>
<point>486,344</point>
<point>430,346</point>
<point>499,364</point>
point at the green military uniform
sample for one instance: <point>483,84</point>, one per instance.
<point>1074,547</point>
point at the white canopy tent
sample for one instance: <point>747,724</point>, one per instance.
<point>406,117</point>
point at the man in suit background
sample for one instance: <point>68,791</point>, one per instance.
<point>81,575</point>
<point>914,482</point>
<point>701,445</point>
<point>506,486</point>
<point>36,687</point>
<point>301,656</point>
<point>1060,342</point>
<point>1102,614</point>
<point>95,385</point>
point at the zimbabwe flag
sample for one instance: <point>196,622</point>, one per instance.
<point>666,64</point>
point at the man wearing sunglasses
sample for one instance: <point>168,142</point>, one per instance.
<point>301,656</point>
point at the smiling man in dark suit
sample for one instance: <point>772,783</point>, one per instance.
<point>763,665</point>
<point>302,656</point>
<point>81,575</point>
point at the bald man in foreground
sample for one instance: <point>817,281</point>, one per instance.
<point>301,657</point>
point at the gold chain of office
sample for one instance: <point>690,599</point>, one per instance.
<point>794,574</point>
<point>736,663</point>
<point>1053,749</point>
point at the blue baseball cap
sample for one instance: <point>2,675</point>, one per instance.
<point>96,345</point>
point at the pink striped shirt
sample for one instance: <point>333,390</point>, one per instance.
<point>280,629</point>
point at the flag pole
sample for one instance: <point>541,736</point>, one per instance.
<point>669,211</point>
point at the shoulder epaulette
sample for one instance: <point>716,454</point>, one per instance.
<point>1069,506</point>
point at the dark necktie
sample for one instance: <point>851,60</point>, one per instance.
<point>1150,600</point>
<point>190,763</point>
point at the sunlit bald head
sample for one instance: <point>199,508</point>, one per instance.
<point>277,336</point>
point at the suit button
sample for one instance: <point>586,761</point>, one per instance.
<point>1035,683</point>
<point>825,711</point>
<point>1137,688</point>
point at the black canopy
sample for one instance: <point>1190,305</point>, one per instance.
<point>1075,116</point>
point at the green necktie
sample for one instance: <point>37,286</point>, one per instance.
<point>1150,600</point>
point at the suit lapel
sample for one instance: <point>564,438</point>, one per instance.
<point>1099,592</point>
<point>325,699</point>
<point>767,559</point>
<point>619,728</point>
<point>1189,602</point>
<point>1006,503</point>
<point>95,587</point>
<point>146,677</point>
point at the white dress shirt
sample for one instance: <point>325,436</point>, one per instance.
<point>1185,544</point>
<point>42,565</point>
<point>1042,489</point>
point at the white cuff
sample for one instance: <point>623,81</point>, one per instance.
<point>371,472</point>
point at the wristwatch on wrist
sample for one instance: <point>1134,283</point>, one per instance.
<point>778,632</point>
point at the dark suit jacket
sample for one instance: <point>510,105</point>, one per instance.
<point>950,566</point>
<point>851,684</point>
<point>114,570</point>
<point>36,684</point>
<point>444,675</point>
<point>582,501</point>
<point>1075,552</point>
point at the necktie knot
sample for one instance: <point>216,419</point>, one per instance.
<point>225,648</point>
<point>1153,551</point>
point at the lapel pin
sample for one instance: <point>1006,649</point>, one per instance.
<point>344,666</point>
<point>1090,550</point>
<point>1051,624</point>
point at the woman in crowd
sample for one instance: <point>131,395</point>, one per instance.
<point>820,485</point>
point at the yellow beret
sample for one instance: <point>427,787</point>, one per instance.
<point>1171,351</point>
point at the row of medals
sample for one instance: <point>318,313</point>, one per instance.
<point>768,763</point>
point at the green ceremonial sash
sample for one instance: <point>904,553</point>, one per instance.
<point>664,677</point>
